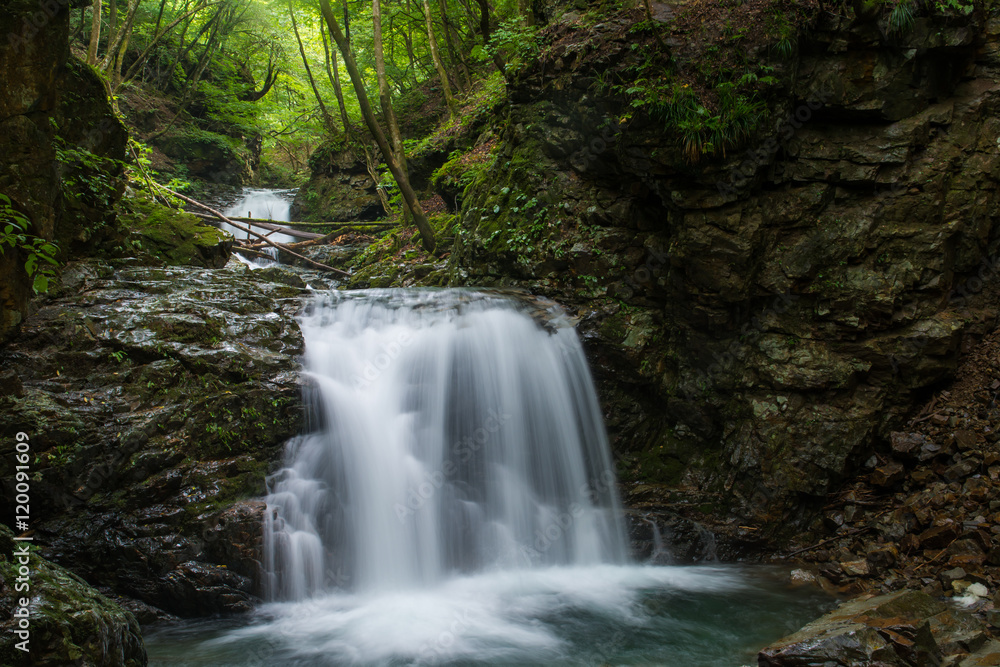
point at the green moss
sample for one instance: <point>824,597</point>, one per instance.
<point>71,623</point>
<point>615,327</point>
<point>173,237</point>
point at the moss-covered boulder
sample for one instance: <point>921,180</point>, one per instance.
<point>210,156</point>
<point>69,622</point>
<point>903,629</point>
<point>176,238</point>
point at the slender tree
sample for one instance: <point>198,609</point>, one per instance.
<point>118,45</point>
<point>436,56</point>
<point>159,35</point>
<point>95,34</point>
<point>384,96</point>
<point>455,53</point>
<point>327,120</point>
<point>333,73</point>
<point>399,174</point>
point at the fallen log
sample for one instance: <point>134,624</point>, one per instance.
<point>366,223</point>
<point>270,226</point>
<point>262,237</point>
<point>332,236</point>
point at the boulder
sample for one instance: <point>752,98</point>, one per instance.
<point>340,188</point>
<point>70,623</point>
<point>904,629</point>
<point>157,399</point>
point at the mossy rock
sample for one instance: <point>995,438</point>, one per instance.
<point>174,237</point>
<point>70,623</point>
<point>213,157</point>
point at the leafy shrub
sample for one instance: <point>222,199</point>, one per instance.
<point>40,263</point>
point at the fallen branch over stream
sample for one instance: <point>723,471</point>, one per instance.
<point>270,226</point>
<point>334,223</point>
<point>262,237</point>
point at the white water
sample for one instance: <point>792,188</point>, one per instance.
<point>454,435</point>
<point>263,204</point>
<point>454,505</point>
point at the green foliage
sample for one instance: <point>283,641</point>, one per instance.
<point>88,177</point>
<point>784,31</point>
<point>518,44</point>
<point>704,125</point>
<point>901,18</point>
<point>40,255</point>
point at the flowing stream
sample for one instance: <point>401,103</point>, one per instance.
<point>263,204</point>
<point>454,503</point>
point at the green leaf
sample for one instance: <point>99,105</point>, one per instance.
<point>40,284</point>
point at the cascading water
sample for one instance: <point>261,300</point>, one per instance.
<point>454,504</point>
<point>262,204</point>
<point>453,435</point>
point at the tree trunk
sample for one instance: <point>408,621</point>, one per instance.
<point>436,55</point>
<point>455,54</point>
<point>327,120</point>
<point>95,34</point>
<point>333,73</point>
<point>524,8</point>
<point>347,25</point>
<point>409,196</point>
<point>384,95</point>
<point>112,64</point>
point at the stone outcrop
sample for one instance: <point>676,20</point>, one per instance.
<point>903,629</point>
<point>55,123</point>
<point>156,400</point>
<point>759,323</point>
<point>70,623</point>
<point>212,157</point>
<point>340,188</point>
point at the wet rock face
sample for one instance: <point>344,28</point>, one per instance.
<point>934,528</point>
<point>71,623</point>
<point>340,189</point>
<point>903,629</point>
<point>155,400</point>
<point>757,324</point>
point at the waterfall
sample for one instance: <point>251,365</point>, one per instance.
<point>452,504</point>
<point>451,433</point>
<point>263,204</point>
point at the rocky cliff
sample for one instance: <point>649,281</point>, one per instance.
<point>760,318</point>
